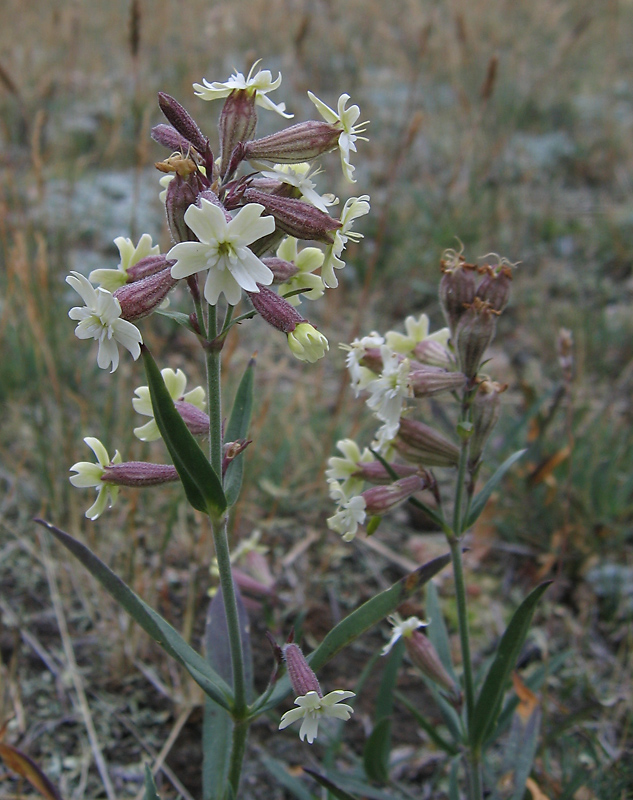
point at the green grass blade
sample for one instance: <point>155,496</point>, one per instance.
<point>333,789</point>
<point>427,727</point>
<point>150,786</point>
<point>480,500</point>
<point>491,694</point>
<point>202,486</point>
<point>151,621</point>
<point>237,428</point>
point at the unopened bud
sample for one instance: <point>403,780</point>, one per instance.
<point>474,332</point>
<point>183,122</point>
<point>296,217</point>
<point>458,286</point>
<point>139,473</point>
<point>282,270</point>
<point>421,444</point>
<point>307,343</point>
<point>375,472</point>
<point>302,142</point>
<point>486,407</point>
<point>238,121</point>
<point>429,381</point>
<point>380,499</point>
<point>425,657</point>
<point>302,678</point>
<point>494,287</point>
<point>195,419</point>
<point>150,265</point>
<point>141,298</point>
<point>169,138</point>
<point>277,311</point>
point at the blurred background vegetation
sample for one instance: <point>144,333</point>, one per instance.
<point>505,123</point>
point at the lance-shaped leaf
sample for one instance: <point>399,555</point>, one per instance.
<point>489,701</point>
<point>333,789</point>
<point>237,429</point>
<point>150,786</point>
<point>359,621</point>
<point>480,500</point>
<point>378,745</point>
<point>202,486</point>
<point>151,621</point>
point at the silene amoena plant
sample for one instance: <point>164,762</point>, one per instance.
<point>250,229</point>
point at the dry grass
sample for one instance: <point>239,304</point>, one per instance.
<point>504,123</point>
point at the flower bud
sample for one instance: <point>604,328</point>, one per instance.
<point>380,499</point>
<point>181,193</point>
<point>296,217</point>
<point>139,473</point>
<point>457,289</point>
<point>277,311</point>
<point>429,381</point>
<point>421,444</point>
<point>494,287</point>
<point>169,138</point>
<point>302,142</point>
<point>183,122</point>
<point>425,657</point>
<point>147,266</point>
<point>374,472</point>
<point>282,270</point>
<point>302,678</point>
<point>195,419</point>
<point>485,414</point>
<point>307,344</point>
<point>141,298</point>
<point>473,334</point>
<point>238,121</point>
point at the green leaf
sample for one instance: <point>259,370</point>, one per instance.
<point>177,316</point>
<point>436,629</point>
<point>202,486</point>
<point>522,749</point>
<point>491,694</point>
<point>480,500</point>
<point>151,621</point>
<point>453,784</point>
<point>384,698</point>
<point>429,728</point>
<point>360,787</point>
<point>280,773</point>
<point>365,617</point>
<point>217,733</point>
<point>238,428</point>
<point>150,786</point>
<point>332,788</point>
<point>378,746</point>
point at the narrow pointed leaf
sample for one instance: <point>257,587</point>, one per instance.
<point>217,643</point>
<point>238,428</point>
<point>177,316</point>
<point>376,752</point>
<point>280,773</point>
<point>150,786</point>
<point>333,789</point>
<point>365,617</point>
<point>436,630</point>
<point>491,694</point>
<point>428,727</point>
<point>151,621</point>
<point>480,500</point>
<point>202,486</point>
<point>525,743</point>
<point>217,733</point>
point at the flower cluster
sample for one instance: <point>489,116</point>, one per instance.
<point>396,371</point>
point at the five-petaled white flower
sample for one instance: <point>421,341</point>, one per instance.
<point>130,254</point>
<point>223,250</point>
<point>101,320</point>
<point>176,383</point>
<point>344,469</point>
<point>350,514</point>
<point>259,83</point>
<point>401,629</point>
<point>306,261</point>
<point>354,207</point>
<point>389,390</point>
<point>345,119</point>
<point>89,474</point>
<point>312,708</point>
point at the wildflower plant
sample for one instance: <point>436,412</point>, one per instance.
<point>248,228</point>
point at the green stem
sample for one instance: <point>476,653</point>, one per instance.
<point>238,748</point>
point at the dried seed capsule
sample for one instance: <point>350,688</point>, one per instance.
<point>474,332</point>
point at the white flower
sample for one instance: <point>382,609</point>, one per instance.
<point>388,392</point>
<point>164,181</point>
<point>89,474</point>
<point>345,118</point>
<point>260,84</point>
<point>350,514</point>
<point>361,376</point>
<point>354,207</point>
<point>417,331</point>
<point>113,279</point>
<point>312,708</point>
<point>384,441</point>
<point>176,383</point>
<point>401,629</point>
<point>299,176</point>
<point>101,320</point>
<point>223,250</point>
<point>343,469</point>
<point>306,261</point>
